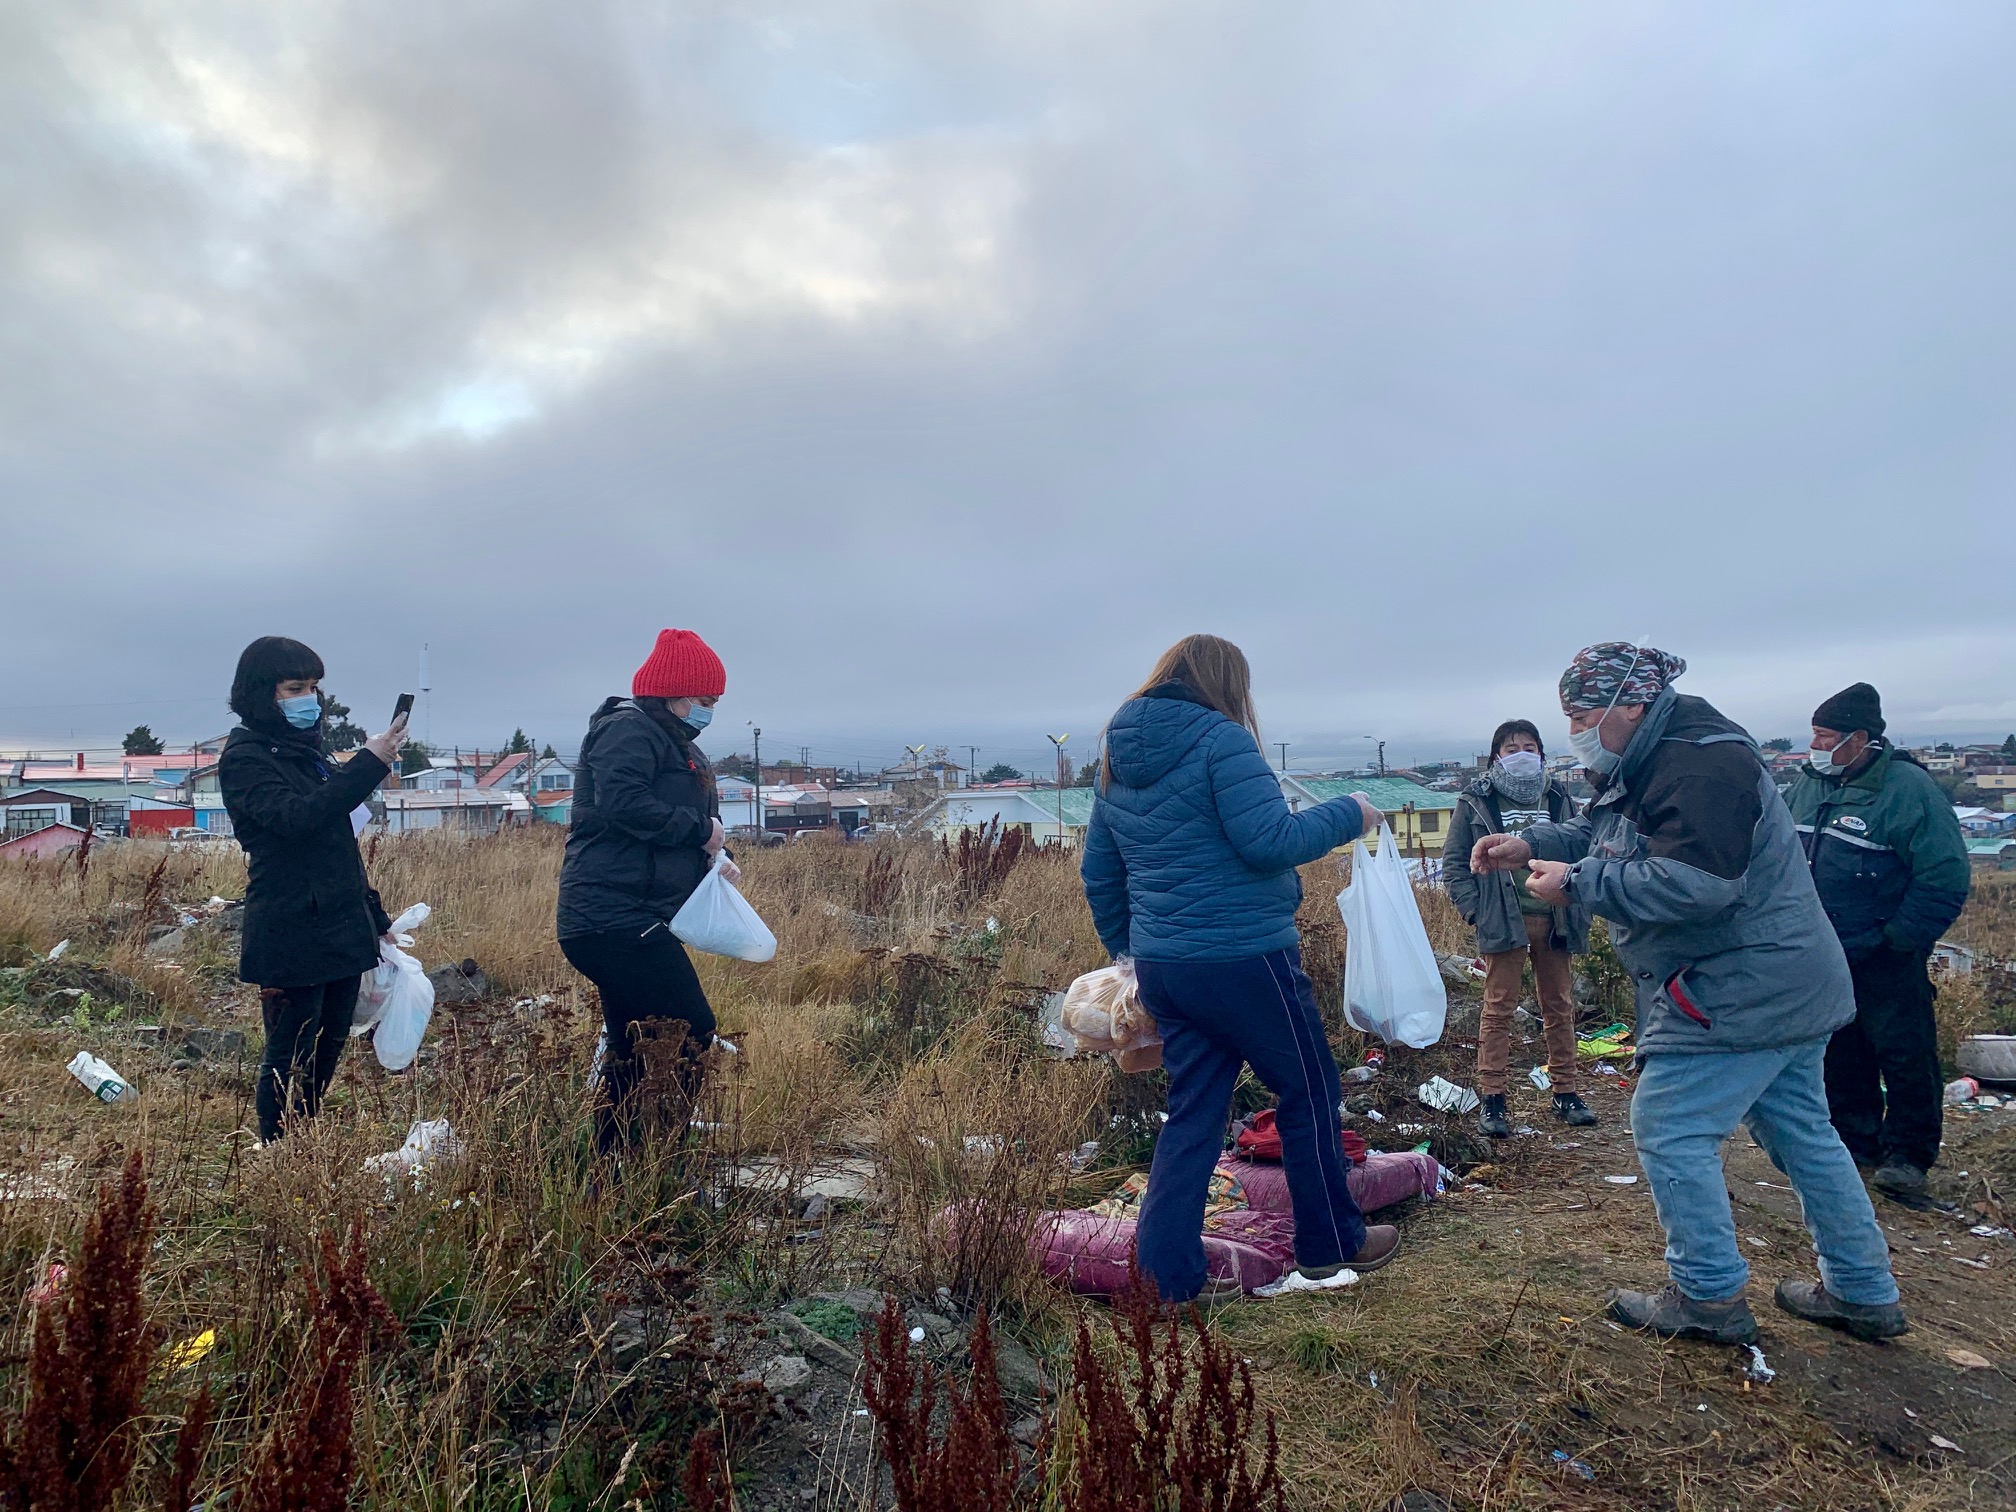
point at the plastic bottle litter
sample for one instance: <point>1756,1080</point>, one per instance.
<point>1757,1370</point>
<point>1963,1090</point>
<point>99,1079</point>
<point>1539,1077</point>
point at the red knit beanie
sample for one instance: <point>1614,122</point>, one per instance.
<point>681,665</point>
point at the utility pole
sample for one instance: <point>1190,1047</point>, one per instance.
<point>757,739</point>
<point>1284,753</point>
<point>972,764</point>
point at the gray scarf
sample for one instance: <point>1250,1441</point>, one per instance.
<point>1523,791</point>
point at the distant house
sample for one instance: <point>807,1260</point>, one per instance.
<point>555,807</point>
<point>37,808</point>
<point>49,840</point>
<point>1419,816</point>
<point>1997,853</point>
<point>1048,815</point>
<point>471,810</point>
<point>1984,823</point>
<point>509,774</point>
<point>737,797</point>
<point>1996,778</point>
<point>550,774</point>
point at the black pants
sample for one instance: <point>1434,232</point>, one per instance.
<point>305,1031</point>
<point>1883,1070</point>
<point>642,978</point>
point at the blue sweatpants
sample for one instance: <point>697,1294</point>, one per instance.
<point>1216,1016</point>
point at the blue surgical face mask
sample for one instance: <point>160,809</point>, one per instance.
<point>699,716</point>
<point>302,712</point>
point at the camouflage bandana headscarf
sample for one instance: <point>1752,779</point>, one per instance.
<point>1604,675</point>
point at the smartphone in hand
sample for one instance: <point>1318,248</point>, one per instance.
<point>402,708</point>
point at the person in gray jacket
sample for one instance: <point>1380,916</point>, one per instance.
<point>1740,981</point>
<point>1513,926</point>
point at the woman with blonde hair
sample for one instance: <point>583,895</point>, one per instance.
<point>1189,867</point>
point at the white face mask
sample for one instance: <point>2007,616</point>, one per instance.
<point>1825,764</point>
<point>1519,764</point>
<point>1590,750</point>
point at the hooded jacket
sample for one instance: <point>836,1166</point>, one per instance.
<point>1690,855</point>
<point>1887,854</point>
<point>643,809</point>
<point>1490,903</point>
<point>1192,850</point>
<point>310,915</point>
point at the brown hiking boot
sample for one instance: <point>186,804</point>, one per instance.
<point>1673,1314</point>
<point>1865,1320</point>
<point>1382,1243</point>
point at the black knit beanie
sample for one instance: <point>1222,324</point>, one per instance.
<point>1856,707</point>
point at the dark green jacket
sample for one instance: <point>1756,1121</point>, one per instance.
<point>1887,854</point>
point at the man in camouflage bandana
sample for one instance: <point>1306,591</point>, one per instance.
<point>1690,855</point>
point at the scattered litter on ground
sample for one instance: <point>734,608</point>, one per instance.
<point>1966,1359</point>
<point>99,1079</point>
<point>917,1335</point>
<point>1756,1369</point>
<point>1525,1130</point>
<point>56,950</point>
<point>1445,1096</point>
<point>1622,1180</point>
<point>1568,1462</point>
<point>1375,1115</point>
<point>1988,1231</point>
<point>1539,1077</point>
<point>1939,1442</point>
<point>50,1287</point>
<point>427,1141</point>
<point>189,1351</point>
<point>1567,1144</point>
<point>1611,1039</point>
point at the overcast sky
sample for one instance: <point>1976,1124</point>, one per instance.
<point>943,363</point>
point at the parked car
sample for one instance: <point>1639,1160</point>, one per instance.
<point>747,834</point>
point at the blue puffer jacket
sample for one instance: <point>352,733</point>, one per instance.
<point>1191,853</point>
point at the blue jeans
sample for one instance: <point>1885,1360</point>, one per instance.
<point>1216,1016</point>
<point>1686,1105</point>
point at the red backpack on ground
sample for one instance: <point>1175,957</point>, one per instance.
<point>1260,1140</point>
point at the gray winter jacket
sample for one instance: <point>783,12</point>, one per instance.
<point>1490,902</point>
<point>1689,853</point>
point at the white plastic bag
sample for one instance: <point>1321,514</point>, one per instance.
<point>376,989</point>
<point>1392,986</point>
<point>1103,1015</point>
<point>719,920</point>
<point>429,1140</point>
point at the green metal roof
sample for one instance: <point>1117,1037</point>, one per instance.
<point>1989,845</point>
<point>1388,794</point>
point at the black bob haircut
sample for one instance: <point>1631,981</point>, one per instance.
<point>1512,727</point>
<point>262,667</point>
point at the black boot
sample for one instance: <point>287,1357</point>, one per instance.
<point>1570,1109</point>
<point>1491,1118</point>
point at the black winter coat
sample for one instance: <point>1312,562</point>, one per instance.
<point>310,915</point>
<point>644,806</point>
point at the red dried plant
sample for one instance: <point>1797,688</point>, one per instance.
<point>705,1480</point>
<point>191,1439</point>
<point>73,1445</point>
<point>307,1459</point>
<point>1178,1435</point>
<point>983,858</point>
<point>973,1466</point>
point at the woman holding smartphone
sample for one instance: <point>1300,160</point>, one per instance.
<point>312,920</point>
<point>645,831</point>
<point>1189,867</point>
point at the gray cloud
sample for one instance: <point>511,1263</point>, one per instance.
<point>943,363</point>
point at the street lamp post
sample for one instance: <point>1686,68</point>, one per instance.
<point>1058,741</point>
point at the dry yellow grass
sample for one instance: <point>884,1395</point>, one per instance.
<point>893,1034</point>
